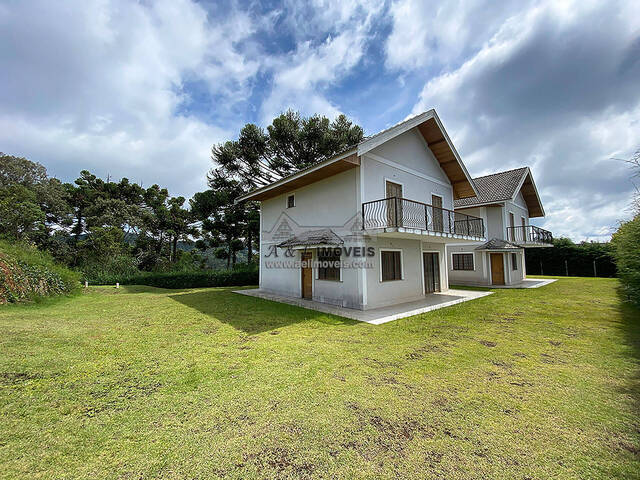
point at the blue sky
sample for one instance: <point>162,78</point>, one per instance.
<point>143,89</point>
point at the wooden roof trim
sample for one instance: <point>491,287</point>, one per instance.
<point>535,208</point>
<point>350,158</point>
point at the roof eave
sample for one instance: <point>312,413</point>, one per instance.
<point>283,181</point>
<point>529,175</point>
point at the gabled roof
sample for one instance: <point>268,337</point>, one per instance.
<point>427,123</point>
<point>503,186</point>
<point>324,236</point>
<point>498,244</point>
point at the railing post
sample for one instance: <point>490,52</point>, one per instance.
<point>468,228</point>
<point>426,217</point>
<point>363,216</point>
<point>395,201</point>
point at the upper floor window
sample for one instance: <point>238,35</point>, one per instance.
<point>291,201</point>
<point>463,261</point>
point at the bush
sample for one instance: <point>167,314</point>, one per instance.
<point>626,243</point>
<point>27,273</point>
<point>198,279</point>
<point>109,270</point>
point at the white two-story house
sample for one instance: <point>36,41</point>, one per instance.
<point>368,227</point>
<point>505,202</point>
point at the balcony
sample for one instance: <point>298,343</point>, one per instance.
<point>530,236</point>
<point>394,214</point>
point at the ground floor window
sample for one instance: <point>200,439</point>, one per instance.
<point>391,265</point>
<point>463,261</point>
<point>328,264</point>
<point>514,261</point>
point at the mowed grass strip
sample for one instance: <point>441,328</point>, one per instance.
<point>204,383</point>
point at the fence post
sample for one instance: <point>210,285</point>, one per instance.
<point>541,271</point>
<point>595,272</point>
<point>566,268</point>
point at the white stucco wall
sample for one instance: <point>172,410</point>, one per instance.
<point>328,203</point>
<point>406,160</point>
<point>477,276</point>
<point>411,287</point>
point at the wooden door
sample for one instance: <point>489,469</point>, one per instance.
<point>497,269</point>
<point>431,268</point>
<point>438,223</point>
<point>394,204</point>
<point>307,276</point>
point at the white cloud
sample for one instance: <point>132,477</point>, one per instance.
<point>555,88</point>
<point>98,85</point>
<point>301,78</point>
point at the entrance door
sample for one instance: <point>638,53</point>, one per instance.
<point>394,204</point>
<point>431,272</point>
<point>497,269</point>
<point>307,278</point>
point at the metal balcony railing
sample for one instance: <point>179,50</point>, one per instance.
<point>396,212</point>
<point>529,234</point>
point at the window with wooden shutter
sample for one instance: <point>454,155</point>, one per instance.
<point>463,261</point>
<point>391,264</point>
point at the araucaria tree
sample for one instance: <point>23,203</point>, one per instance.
<point>259,157</point>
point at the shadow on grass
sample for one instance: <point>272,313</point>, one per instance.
<point>630,325</point>
<point>252,315</point>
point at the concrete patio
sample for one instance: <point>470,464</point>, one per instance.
<point>527,283</point>
<point>376,316</point>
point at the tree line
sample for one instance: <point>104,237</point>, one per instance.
<point>118,227</point>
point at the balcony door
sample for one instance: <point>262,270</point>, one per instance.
<point>512,233</point>
<point>438,220</point>
<point>431,268</point>
<point>394,204</point>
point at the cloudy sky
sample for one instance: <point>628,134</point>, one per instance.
<point>143,89</point>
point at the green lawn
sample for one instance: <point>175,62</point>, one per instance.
<point>143,383</point>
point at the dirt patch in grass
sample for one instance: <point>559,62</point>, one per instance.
<point>280,460</point>
<point>17,378</point>
<point>116,395</point>
<point>550,359</point>
<point>423,351</point>
<point>392,434</point>
<point>488,343</point>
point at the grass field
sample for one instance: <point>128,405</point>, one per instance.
<point>143,383</point>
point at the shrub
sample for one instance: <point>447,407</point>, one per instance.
<point>626,243</point>
<point>110,270</point>
<point>197,279</point>
<point>27,273</point>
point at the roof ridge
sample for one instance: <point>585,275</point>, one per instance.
<point>501,173</point>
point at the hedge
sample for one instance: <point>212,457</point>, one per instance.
<point>626,242</point>
<point>26,274</point>
<point>198,279</point>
